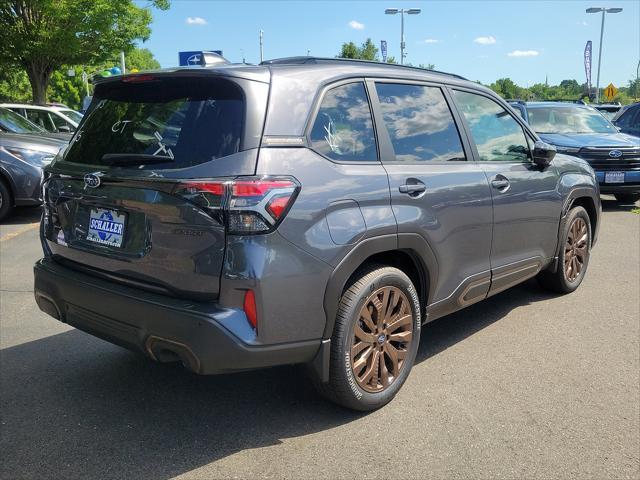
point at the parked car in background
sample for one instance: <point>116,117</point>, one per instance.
<point>22,158</point>
<point>11,122</point>
<point>628,119</point>
<point>305,210</point>
<point>54,118</point>
<point>609,110</point>
<point>581,131</point>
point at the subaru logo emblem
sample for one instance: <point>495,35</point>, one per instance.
<point>615,153</point>
<point>92,180</point>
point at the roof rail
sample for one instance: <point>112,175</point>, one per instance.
<point>305,60</point>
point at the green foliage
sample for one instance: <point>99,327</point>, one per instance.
<point>566,90</point>
<point>42,35</point>
<point>14,85</point>
<point>70,90</point>
<point>368,51</point>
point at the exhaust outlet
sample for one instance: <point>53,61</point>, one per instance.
<point>164,350</point>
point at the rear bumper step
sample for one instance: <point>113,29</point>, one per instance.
<point>163,328</point>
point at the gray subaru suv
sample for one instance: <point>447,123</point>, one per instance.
<point>302,211</point>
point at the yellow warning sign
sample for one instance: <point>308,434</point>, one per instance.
<point>610,92</point>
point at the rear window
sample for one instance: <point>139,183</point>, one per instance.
<point>167,124</point>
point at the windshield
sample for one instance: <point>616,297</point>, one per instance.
<point>14,123</point>
<point>181,122</point>
<point>73,115</point>
<point>568,120</point>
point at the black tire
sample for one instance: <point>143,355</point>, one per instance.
<point>627,198</point>
<point>344,387</point>
<point>6,201</point>
<point>560,281</point>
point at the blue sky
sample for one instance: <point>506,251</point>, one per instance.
<point>523,40</point>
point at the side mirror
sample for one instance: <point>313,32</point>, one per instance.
<point>543,153</point>
<point>64,129</point>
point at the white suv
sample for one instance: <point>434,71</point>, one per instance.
<point>53,118</point>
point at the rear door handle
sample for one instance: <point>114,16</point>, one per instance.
<point>412,188</point>
<point>501,183</point>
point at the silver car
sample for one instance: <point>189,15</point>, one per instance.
<point>22,158</point>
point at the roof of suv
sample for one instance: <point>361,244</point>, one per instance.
<point>297,81</point>
<point>329,67</point>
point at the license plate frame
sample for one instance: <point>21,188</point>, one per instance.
<point>614,177</point>
<point>106,227</point>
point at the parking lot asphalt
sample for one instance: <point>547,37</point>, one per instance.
<point>525,384</point>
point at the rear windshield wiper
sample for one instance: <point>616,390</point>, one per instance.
<point>115,159</point>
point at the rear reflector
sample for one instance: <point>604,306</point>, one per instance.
<point>249,308</point>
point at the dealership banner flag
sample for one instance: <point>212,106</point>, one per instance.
<point>587,63</point>
<point>383,48</point>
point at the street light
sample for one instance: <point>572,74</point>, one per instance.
<point>402,11</point>
<point>603,10</point>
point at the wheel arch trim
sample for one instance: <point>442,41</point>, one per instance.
<point>413,244</point>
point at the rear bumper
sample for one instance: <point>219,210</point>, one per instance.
<point>166,329</point>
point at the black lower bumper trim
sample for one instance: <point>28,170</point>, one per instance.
<point>155,325</point>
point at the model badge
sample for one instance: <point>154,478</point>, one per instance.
<point>92,180</point>
<point>615,153</point>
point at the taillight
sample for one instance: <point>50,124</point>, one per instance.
<point>247,205</point>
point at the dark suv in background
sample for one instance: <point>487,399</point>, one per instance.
<point>580,130</point>
<point>305,210</point>
<point>628,119</point>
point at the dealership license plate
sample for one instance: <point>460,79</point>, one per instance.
<point>106,227</point>
<point>614,177</point>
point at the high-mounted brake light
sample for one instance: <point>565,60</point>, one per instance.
<point>138,78</point>
<point>247,205</point>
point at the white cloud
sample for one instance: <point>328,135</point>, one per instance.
<point>584,24</point>
<point>490,40</point>
<point>195,21</point>
<point>523,53</point>
<point>431,40</point>
<point>356,25</point>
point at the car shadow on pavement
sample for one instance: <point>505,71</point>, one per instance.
<point>74,406</point>
<point>23,216</point>
<point>612,205</point>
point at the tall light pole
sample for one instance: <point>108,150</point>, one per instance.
<point>402,11</point>
<point>261,52</point>
<point>603,10</point>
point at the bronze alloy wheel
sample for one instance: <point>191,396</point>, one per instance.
<point>576,249</point>
<point>381,338</point>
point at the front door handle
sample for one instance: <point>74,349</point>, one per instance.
<point>501,183</point>
<point>413,188</point>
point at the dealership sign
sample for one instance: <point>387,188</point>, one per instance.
<point>194,57</point>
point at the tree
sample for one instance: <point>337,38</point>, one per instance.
<point>42,35</point>
<point>349,50</point>
<point>368,51</point>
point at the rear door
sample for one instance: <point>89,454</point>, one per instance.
<point>526,202</point>
<point>437,192</point>
<point>136,197</point>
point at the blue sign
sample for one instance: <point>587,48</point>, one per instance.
<point>193,58</point>
<point>383,49</point>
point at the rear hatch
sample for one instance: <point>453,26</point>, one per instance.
<point>117,201</point>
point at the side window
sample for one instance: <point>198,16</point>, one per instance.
<point>40,117</point>
<point>420,123</point>
<point>343,129</point>
<point>60,122</point>
<point>498,137</point>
